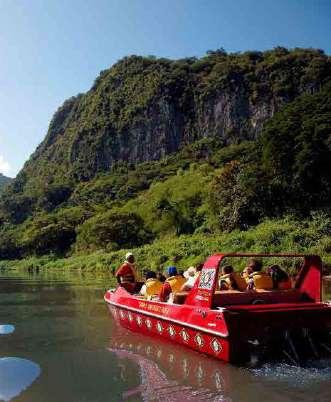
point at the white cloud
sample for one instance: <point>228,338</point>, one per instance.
<point>4,166</point>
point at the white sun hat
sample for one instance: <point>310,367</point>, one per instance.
<point>189,272</point>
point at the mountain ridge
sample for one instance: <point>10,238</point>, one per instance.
<point>142,109</point>
<point>98,181</point>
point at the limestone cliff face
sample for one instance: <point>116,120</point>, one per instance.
<point>144,108</point>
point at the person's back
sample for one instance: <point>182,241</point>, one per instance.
<point>231,280</point>
<point>258,279</point>
<point>152,286</point>
<point>239,281</point>
<point>262,280</point>
<point>126,273</point>
<point>172,285</point>
<point>176,282</point>
<point>226,281</point>
<point>161,277</point>
<point>280,278</point>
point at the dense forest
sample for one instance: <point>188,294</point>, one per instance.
<point>163,156</point>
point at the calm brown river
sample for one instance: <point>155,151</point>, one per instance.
<point>58,343</point>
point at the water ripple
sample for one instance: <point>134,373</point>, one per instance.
<point>313,371</point>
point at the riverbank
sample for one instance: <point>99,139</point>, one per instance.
<point>274,236</point>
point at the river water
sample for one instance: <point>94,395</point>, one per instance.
<point>58,343</point>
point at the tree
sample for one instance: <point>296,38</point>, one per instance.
<point>237,196</point>
<point>111,230</point>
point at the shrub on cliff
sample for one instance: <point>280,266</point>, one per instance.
<point>237,197</point>
<point>112,230</point>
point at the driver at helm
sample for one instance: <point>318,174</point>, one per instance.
<point>126,273</point>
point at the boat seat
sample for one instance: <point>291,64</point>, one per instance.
<point>180,297</point>
<point>234,297</point>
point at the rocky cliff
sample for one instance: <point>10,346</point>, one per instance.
<point>144,108</point>
<point>252,132</point>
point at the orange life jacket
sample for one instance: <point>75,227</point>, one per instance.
<point>262,280</point>
<point>126,273</point>
<point>153,287</point>
<point>234,281</point>
<point>176,282</point>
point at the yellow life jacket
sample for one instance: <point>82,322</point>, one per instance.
<point>245,275</point>
<point>262,280</point>
<point>240,283</point>
<point>176,282</point>
<point>153,287</point>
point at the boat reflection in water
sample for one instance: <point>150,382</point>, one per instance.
<point>169,373</point>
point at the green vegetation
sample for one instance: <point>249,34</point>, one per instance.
<point>144,108</point>
<point>101,182</point>
<point>4,181</point>
<point>280,235</point>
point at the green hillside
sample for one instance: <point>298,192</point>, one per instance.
<point>114,173</point>
<point>4,181</point>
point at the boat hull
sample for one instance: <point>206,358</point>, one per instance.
<point>231,334</point>
<point>197,339</point>
<point>200,329</point>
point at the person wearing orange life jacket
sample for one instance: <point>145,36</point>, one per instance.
<point>126,273</point>
<point>152,286</point>
<point>172,285</point>
<point>231,280</point>
<point>258,279</point>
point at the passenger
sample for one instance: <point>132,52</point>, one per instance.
<point>160,277</point>
<point>246,272</point>
<point>126,273</point>
<point>198,270</point>
<point>279,277</point>
<point>258,279</point>
<point>230,280</point>
<point>172,285</point>
<point>190,276</point>
<point>152,286</point>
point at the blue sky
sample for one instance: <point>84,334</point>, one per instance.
<point>53,49</point>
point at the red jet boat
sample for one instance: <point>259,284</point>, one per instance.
<point>232,325</point>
